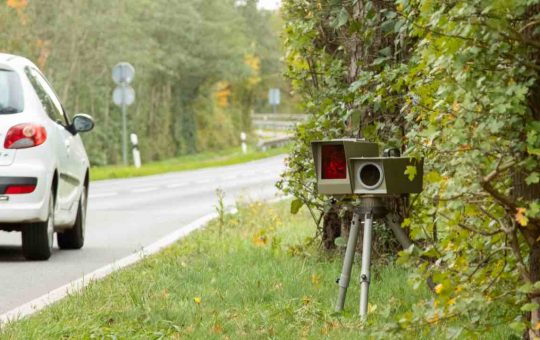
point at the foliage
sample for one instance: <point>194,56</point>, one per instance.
<point>458,83</point>
<point>182,51</point>
<point>341,61</point>
<point>475,119</point>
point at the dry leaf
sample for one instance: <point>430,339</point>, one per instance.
<point>439,288</point>
<point>521,218</point>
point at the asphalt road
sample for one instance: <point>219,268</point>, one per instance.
<point>126,215</point>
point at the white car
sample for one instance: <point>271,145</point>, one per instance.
<point>43,163</point>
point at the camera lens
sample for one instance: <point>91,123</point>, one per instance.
<point>370,175</point>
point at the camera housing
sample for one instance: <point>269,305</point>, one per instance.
<point>386,175</point>
<point>332,166</point>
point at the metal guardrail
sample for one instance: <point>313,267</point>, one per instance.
<point>279,116</point>
<point>274,122</point>
<point>273,143</point>
<point>277,121</point>
<point>273,125</point>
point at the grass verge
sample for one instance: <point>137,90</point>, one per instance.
<point>246,276</point>
<point>188,162</point>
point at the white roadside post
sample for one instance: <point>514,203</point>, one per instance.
<point>123,96</point>
<point>243,138</point>
<point>135,150</point>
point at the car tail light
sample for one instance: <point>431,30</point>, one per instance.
<point>25,135</point>
<point>333,162</point>
<point>19,189</point>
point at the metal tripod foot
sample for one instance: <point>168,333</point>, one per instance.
<point>345,277</point>
<point>366,261</point>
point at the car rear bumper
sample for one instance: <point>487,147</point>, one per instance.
<point>24,208</point>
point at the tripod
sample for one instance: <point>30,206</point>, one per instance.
<point>369,207</point>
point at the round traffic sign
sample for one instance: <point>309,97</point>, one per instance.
<point>123,73</point>
<point>124,95</point>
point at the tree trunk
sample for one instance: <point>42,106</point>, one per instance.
<point>529,193</point>
<point>331,227</point>
<point>534,269</point>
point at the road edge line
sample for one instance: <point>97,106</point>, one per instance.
<point>79,284</point>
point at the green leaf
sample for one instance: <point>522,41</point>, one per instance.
<point>534,209</point>
<point>410,171</point>
<point>387,51</point>
<point>454,332</point>
<point>296,205</point>
<point>536,285</point>
<point>529,307</point>
<point>340,242</point>
<point>518,326</point>
<point>342,18</point>
<point>533,178</point>
<point>406,222</point>
<point>433,177</point>
<point>525,288</point>
<point>534,151</point>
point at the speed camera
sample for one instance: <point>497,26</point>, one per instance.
<point>350,166</point>
<point>333,170</point>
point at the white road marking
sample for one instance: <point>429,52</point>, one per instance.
<point>176,185</point>
<point>105,194</point>
<point>140,190</point>
<point>229,177</point>
<point>203,181</point>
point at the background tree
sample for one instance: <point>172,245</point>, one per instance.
<point>181,51</point>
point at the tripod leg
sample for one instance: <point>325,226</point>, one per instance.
<point>366,261</point>
<point>348,262</point>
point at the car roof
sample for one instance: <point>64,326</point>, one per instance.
<point>4,57</point>
<point>12,59</point>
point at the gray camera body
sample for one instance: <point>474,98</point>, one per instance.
<point>386,175</point>
<point>350,166</point>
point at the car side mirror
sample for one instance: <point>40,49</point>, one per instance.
<point>82,123</point>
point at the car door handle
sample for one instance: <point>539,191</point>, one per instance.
<point>67,144</point>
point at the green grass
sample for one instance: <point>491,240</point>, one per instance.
<point>245,279</point>
<point>189,162</point>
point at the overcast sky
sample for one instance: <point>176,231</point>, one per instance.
<point>269,4</point>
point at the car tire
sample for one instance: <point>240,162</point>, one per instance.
<point>74,238</point>
<point>38,238</point>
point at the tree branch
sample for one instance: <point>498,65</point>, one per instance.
<point>471,229</point>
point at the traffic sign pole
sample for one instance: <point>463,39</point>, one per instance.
<point>124,133</point>
<point>274,98</point>
<point>123,96</point>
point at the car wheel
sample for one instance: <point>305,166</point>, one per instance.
<point>37,238</point>
<point>74,238</point>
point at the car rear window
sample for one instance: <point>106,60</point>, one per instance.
<point>11,94</point>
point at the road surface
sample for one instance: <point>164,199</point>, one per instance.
<point>126,215</point>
